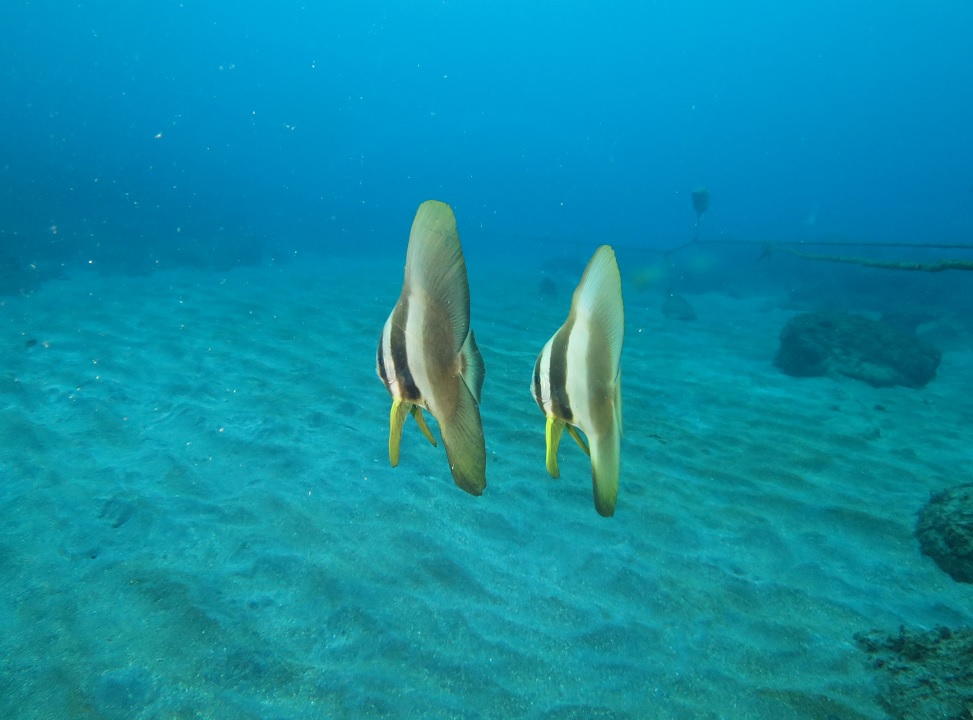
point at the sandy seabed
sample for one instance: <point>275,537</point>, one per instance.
<point>199,519</point>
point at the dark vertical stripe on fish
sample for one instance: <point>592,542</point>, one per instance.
<point>400,360</point>
<point>381,359</point>
<point>558,372</point>
<point>537,382</point>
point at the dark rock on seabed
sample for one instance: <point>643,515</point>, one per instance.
<point>676,307</point>
<point>835,343</point>
<point>945,532</point>
<point>926,674</point>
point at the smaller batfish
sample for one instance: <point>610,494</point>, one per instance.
<point>577,377</point>
<point>427,356</point>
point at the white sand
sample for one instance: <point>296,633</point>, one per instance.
<point>199,519</point>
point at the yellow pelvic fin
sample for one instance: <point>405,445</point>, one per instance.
<point>555,426</point>
<point>400,409</point>
<point>578,439</point>
<point>421,420</point>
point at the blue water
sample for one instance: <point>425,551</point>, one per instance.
<point>308,124</point>
<point>197,516</point>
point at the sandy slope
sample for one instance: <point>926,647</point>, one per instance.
<point>199,519</point>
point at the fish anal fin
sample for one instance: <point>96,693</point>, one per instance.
<point>605,467</point>
<point>463,437</point>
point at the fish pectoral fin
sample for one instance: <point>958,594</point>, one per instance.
<point>400,410</point>
<point>555,426</point>
<point>421,420</point>
<point>462,433</point>
<point>578,439</point>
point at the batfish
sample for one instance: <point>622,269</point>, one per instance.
<point>427,356</point>
<point>577,377</point>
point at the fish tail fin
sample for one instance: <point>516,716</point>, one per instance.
<point>472,368</point>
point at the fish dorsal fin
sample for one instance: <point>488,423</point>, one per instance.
<point>434,265</point>
<point>598,300</point>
